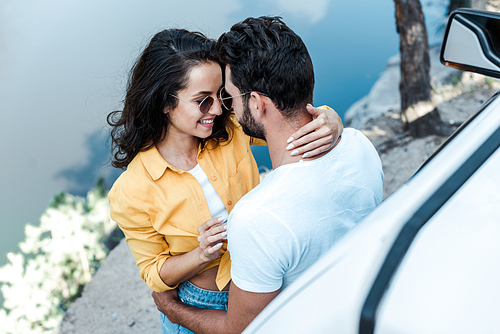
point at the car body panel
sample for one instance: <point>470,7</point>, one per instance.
<point>446,282</point>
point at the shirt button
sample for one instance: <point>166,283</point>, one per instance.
<point>214,178</point>
<point>200,156</point>
<point>229,203</point>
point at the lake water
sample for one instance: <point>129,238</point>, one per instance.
<point>64,66</point>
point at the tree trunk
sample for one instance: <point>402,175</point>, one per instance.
<point>454,4</point>
<point>417,108</point>
<point>479,4</point>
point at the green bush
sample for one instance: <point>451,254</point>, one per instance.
<point>57,259</point>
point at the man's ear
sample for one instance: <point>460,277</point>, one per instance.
<point>258,104</point>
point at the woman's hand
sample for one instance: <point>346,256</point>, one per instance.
<point>212,232</point>
<point>179,268</point>
<point>317,136</point>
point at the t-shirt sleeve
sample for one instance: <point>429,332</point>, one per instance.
<point>261,249</point>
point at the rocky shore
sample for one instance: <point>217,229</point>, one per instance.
<point>118,301</point>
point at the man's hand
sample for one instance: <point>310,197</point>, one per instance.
<point>243,307</point>
<point>165,301</point>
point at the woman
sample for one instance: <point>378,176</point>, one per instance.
<point>188,163</point>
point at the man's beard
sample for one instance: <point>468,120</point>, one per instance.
<point>250,125</point>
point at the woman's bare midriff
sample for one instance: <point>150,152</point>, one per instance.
<point>206,280</point>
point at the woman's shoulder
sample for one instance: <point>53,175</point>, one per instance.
<point>140,170</point>
<point>127,180</point>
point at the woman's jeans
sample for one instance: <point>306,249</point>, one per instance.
<point>192,295</point>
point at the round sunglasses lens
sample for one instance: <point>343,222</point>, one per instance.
<point>228,104</point>
<point>206,104</point>
<point>227,100</point>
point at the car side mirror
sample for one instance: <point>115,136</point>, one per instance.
<point>472,42</point>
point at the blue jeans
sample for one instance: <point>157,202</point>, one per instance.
<point>192,295</point>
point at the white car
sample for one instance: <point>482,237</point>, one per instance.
<point>427,260</point>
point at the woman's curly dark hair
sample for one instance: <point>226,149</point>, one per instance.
<point>162,70</point>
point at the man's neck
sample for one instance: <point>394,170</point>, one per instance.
<point>278,136</point>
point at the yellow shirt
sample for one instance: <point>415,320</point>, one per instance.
<point>159,207</point>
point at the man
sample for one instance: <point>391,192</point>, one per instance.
<point>301,208</point>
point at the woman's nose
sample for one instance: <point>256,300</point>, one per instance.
<point>216,108</point>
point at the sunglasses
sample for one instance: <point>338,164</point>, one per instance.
<point>204,106</point>
<point>227,100</point>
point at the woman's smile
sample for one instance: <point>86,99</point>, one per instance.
<point>207,122</point>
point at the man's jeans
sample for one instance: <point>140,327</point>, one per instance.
<point>195,296</point>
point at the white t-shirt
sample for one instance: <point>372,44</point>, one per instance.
<point>215,205</point>
<point>299,211</point>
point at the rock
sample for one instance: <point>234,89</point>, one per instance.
<point>384,95</point>
<point>116,300</point>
